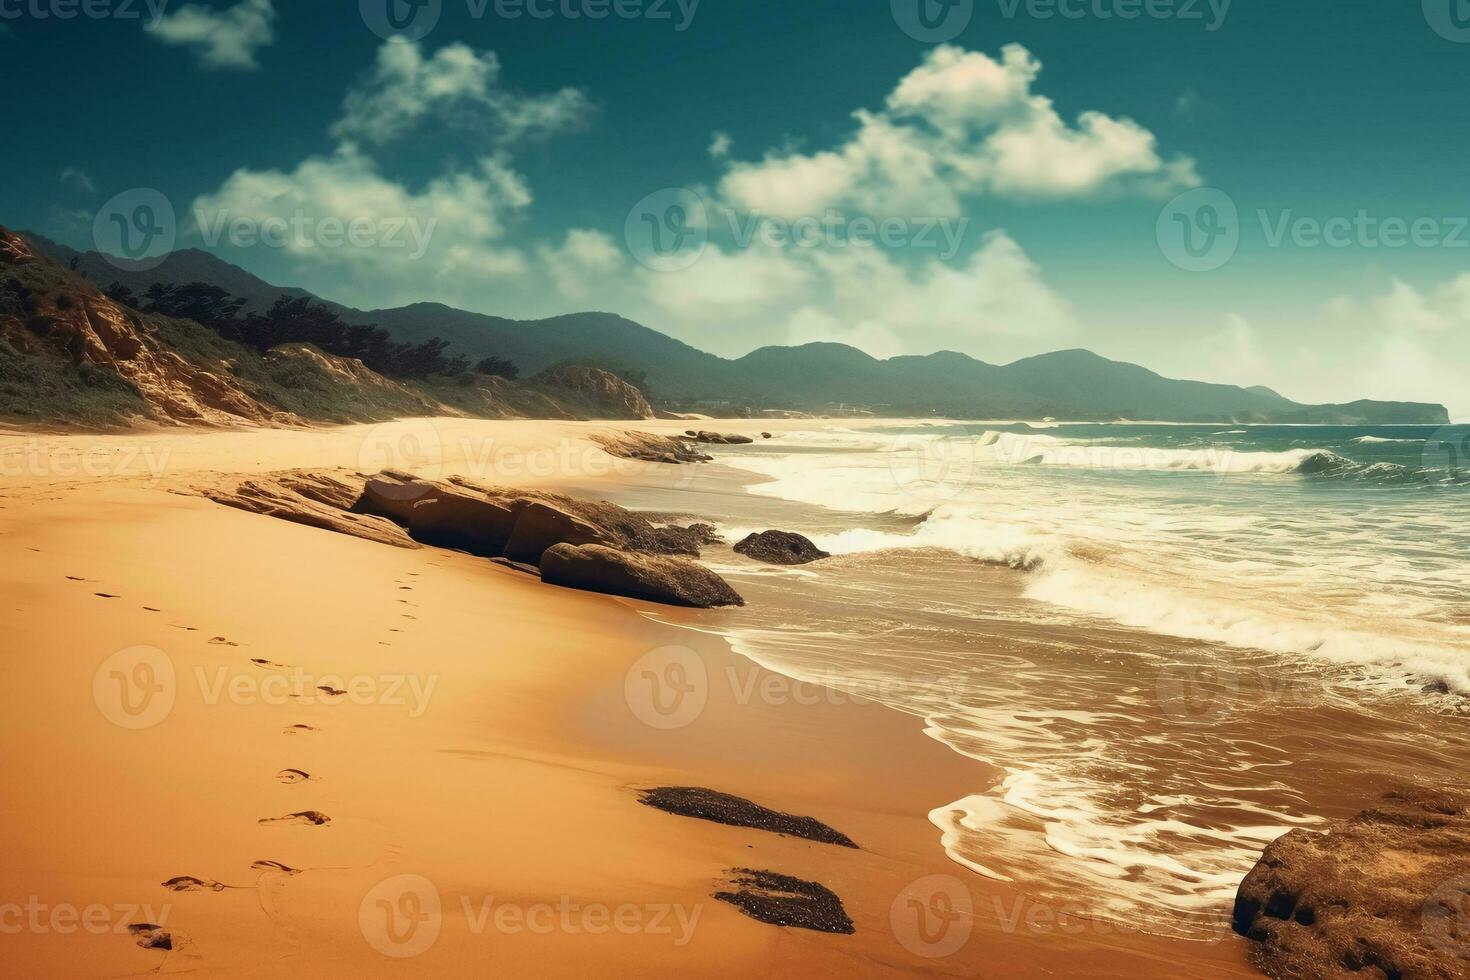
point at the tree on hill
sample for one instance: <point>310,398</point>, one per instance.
<point>499,367</point>
<point>197,301</point>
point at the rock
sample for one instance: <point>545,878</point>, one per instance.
<point>649,447</point>
<point>394,494</point>
<point>1384,894</point>
<point>539,525</point>
<point>655,578</point>
<point>598,393</point>
<point>780,548</point>
<point>781,900</point>
<point>733,811</point>
<point>311,499</point>
<point>463,521</point>
<point>765,435</point>
<point>720,439</point>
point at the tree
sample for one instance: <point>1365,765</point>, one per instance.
<point>119,293</point>
<point>197,301</point>
<point>498,367</point>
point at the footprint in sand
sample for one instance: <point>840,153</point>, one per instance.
<point>188,883</point>
<point>312,818</point>
<point>221,641</point>
<point>268,663</point>
<point>298,729</point>
<point>331,692</point>
<point>190,629</point>
<point>151,609</point>
<point>275,866</point>
<point>106,595</point>
<point>152,936</point>
<point>77,578</point>
<point>292,776</point>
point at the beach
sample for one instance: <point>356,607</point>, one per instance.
<point>479,771</point>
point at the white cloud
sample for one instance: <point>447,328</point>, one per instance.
<point>221,39</point>
<point>455,84</point>
<point>584,261</point>
<point>720,145</point>
<point>452,227</point>
<point>77,180</point>
<point>961,124</point>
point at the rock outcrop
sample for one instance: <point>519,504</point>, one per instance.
<point>780,548</point>
<point>597,393</point>
<point>654,578</point>
<point>1385,894</point>
<point>650,448</point>
<point>312,499</point>
<point>784,900</point>
<point>735,811</point>
<point>718,438</point>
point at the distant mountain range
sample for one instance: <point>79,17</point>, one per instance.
<point>1069,384</point>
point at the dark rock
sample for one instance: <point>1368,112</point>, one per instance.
<point>765,435</point>
<point>539,525</point>
<point>463,521</point>
<point>655,578</point>
<point>733,811</point>
<point>650,448</point>
<point>780,548</point>
<point>1384,894</point>
<point>782,900</point>
<point>721,439</point>
<point>1437,687</point>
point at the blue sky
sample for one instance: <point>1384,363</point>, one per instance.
<point>1025,168</point>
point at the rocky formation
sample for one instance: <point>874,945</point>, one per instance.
<point>1385,894</point>
<point>649,447</point>
<point>717,438</point>
<point>733,811</point>
<point>780,548</point>
<point>653,578</point>
<point>604,395</point>
<point>596,546</point>
<point>782,900</point>
<point>316,500</point>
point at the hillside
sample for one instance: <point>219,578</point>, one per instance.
<point>1072,384</point>
<point>72,356</point>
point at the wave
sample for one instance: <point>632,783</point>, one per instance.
<point>1371,440</point>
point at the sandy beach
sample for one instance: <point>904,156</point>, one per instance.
<point>479,771</point>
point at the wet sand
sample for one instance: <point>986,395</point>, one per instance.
<point>481,771</point>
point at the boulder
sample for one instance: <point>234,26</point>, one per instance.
<point>539,525</point>
<point>464,522</point>
<point>313,500</point>
<point>655,578</point>
<point>1384,894</point>
<point>780,548</point>
<point>393,494</point>
<point>721,439</point>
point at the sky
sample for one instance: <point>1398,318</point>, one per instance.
<point>1227,190</point>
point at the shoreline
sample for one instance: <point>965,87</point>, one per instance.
<point>515,784</point>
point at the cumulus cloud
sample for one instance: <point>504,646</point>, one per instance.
<point>720,145</point>
<point>961,124</point>
<point>456,85</point>
<point>583,263</point>
<point>225,39</point>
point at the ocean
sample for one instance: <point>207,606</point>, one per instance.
<point>1167,644</point>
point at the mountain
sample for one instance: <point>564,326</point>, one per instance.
<point>1071,384</point>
